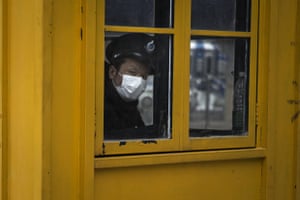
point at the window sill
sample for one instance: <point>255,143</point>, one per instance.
<point>175,158</point>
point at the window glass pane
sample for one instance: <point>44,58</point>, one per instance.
<point>218,86</point>
<point>148,13</point>
<point>137,86</point>
<point>230,15</point>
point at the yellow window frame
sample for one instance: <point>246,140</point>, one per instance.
<point>227,142</point>
<point>180,140</point>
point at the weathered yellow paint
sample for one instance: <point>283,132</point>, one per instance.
<point>65,100</point>
<point>281,131</point>
<point>262,85</point>
<point>208,180</point>
<point>43,107</point>
<point>281,142</point>
<point>297,74</point>
<point>99,57</point>
<point>24,98</point>
<point>87,136</point>
<point>177,158</point>
<point>274,128</point>
<point>3,98</point>
<point>48,119</point>
<point>1,95</point>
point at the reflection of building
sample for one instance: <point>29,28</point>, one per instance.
<point>210,77</point>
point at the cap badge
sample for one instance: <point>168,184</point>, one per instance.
<point>116,55</point>
<point>150,46</point>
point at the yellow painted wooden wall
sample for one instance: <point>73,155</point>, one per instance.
<point>42,59</point>
<point>46,140</point>
<point>297,71</point>
<point>22,99</point>
<point>1,111</point>
<point>283,86</point>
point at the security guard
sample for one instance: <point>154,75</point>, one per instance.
<point>130,61</point>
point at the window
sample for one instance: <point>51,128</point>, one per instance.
<point>199,90</point>
<point>218,86</point>
<point>152,105</point>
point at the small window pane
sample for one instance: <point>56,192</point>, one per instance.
<point>218,86</point>
<point>148,115</point>
<point>147,13</point>
<point>230,15</point>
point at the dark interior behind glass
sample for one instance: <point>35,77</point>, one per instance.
<point>147,13</point>
<point>229,15</point>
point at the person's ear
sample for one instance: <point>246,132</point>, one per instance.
<point>112,71</point>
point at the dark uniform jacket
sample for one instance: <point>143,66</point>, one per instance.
<point>119,114</point>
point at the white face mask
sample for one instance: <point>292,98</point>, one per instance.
<point>131,87</point>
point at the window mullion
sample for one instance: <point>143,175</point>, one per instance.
<point>181,71</point>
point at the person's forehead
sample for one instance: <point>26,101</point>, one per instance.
<point>134,64</point>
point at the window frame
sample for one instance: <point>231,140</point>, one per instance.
<point>180,140</point>
<point>229,142</point>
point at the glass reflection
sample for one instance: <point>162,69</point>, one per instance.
<point>145,105</point>
<point>230,15</point>
<point>148,13</point>
<point>214,65</point>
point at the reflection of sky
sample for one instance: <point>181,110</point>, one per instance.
<point>201,45</point>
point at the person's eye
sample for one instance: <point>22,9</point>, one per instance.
<point>134,73</point>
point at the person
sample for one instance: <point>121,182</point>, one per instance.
<point>129,61</point>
